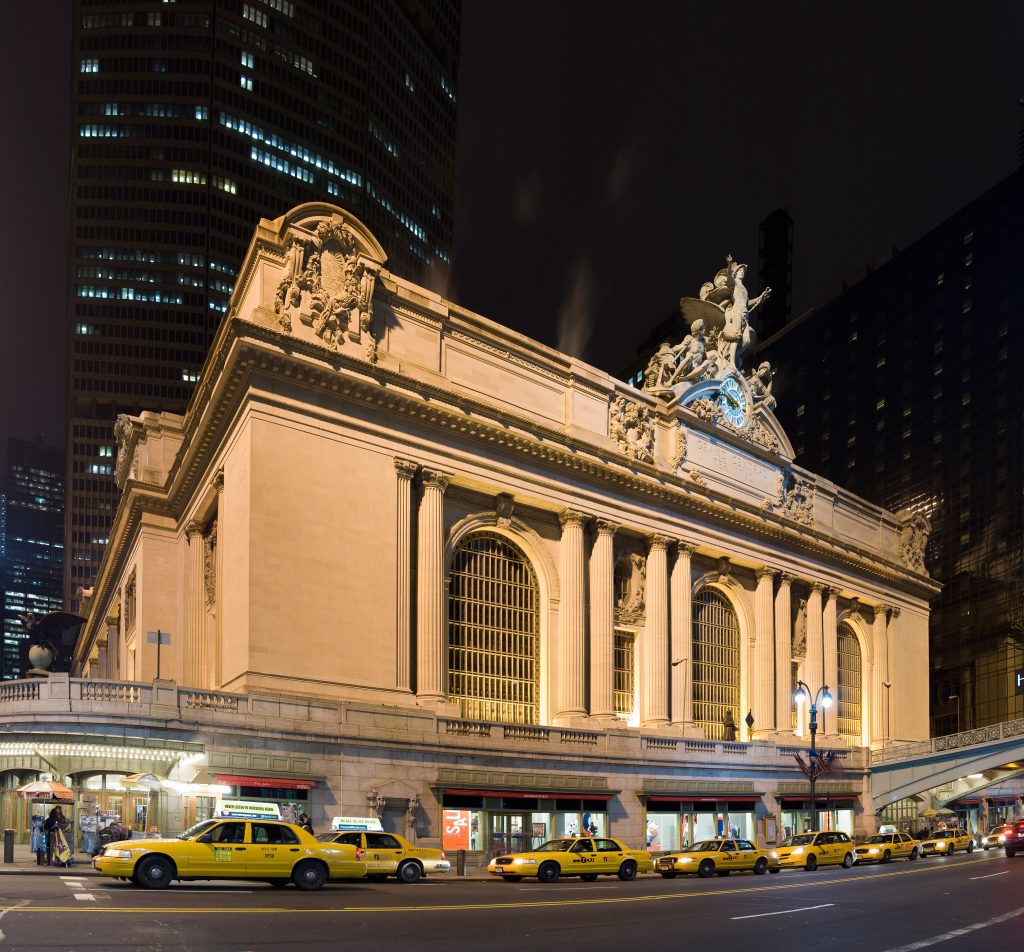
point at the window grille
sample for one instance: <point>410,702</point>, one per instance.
<point>848,713</point>
<point>493,632</point>
<point>625,694</point>
<point>794,676</point>
<point>716,662</point>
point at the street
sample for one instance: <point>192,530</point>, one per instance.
<point>965,902</point>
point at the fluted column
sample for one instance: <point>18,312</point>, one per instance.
<point>814,663</point>
<point>762,671</point>
<point>830,657</point>
<point>879,675</point>
<point>191,657</point>
<point>602,621</point>
<point>784,653</point>
<point>892,721</point>
<point>214,674</point>
<point>405,471</point>
<point>571,698</point>
<point>430,591</point>
<point>681,606</point>
<point>654,684</point>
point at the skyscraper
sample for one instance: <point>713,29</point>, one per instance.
<point>904,390</point>
<point>191,120</point>
<point>33,542</point>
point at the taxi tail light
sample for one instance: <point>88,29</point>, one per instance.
<point>442,855</point>
<point>359,852</point>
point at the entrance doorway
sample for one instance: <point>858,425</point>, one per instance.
<point>507,833</point>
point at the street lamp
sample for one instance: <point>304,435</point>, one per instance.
<point>804,693</point>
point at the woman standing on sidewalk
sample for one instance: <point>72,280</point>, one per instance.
<point>56,825</point>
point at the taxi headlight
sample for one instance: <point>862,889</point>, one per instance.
<point>874,849</point>
<point>1002,838</point>
<point>773,854</point>
<point>523,860</point>
<point>119,854</point>
<point>798,851</point>
<point>685,859</point>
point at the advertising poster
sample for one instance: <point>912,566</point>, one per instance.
<point>455,830</point>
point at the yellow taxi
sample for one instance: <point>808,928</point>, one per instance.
<point>947,842</point>
<point>388,854</point>
<point>821,848</point>
<point>275,852</point>
<point>883,847</point>
<point>995,837</point>
<point>583,856</point>
<point>718,856</point>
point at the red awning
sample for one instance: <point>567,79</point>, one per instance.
<point>684,798</point>
<point>532,795</point>
<point>240,780</point>
<point>822,798</point>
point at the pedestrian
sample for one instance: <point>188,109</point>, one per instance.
<point>56,826</point>
<point>306,824</point>
<point>38,840</point>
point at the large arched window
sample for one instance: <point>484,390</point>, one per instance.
<point>848,700</point>
<point>716,663</point>
<point>493,632</point>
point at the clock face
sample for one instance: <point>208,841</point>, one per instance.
<point>733,402</point>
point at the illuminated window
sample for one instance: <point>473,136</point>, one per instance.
<point>247,59</point>
<point>493,632</point>
<point>245,82</point>
<point>716,662</point>
<point>253,15</point>
<point>940,277</point>
<point>848,695</point>
<point>190,376</point>
<point>624,674</point>
<point>90,66</point>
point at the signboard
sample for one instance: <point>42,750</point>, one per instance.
<point>455,830</point>
<point>368,823</point>
<point>1019,679</point>
<point>247,810</point>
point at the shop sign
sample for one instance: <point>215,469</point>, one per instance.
<point>1019,677</point>
<point>455,831</point>
<point>366,823</point>
<point>247,810</point>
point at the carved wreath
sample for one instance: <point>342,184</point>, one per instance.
<point>631,427</point>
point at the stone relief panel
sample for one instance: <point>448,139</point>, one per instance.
<point>794,498</point>
<point>210,564</point>
<point>914,531</point>
<point>630,586</point>
<point>631,427</point>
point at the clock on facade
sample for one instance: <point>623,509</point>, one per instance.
<point>733,402</point>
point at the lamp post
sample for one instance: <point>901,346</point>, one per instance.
<point>804,693</point>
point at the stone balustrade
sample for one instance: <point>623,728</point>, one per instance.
<point>968,738</point>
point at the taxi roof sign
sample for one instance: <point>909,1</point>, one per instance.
<point>247,810</point>
<point>363,823</point>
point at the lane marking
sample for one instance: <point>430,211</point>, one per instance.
<point>956,933</point>
<point>85,897</point>
<point>784,912</point>
<point>990,875</point>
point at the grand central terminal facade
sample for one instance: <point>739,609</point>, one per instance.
<point>396,558</point>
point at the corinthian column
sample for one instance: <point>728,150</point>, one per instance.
<point>654,685</point>
<point>892,720</point>
<point>431,642</point>
<point>602,622</point>
<point>681,604</point>
<point>191,661</point>
<point>571,699</point>
<point>405,471</point>
<point>762,671</point>
<point>830,658</point>
<point>814,664</point>
<point>879,676</point>
<point>784,653</point>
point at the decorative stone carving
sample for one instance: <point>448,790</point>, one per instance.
<point>504,506</point>
<point>707,409</point>
<point>914,531</point>
<point>328,286</point>
<point>210,564</point>
<point>724,570</point>
<point>760,383</point>
<point>758,433</point>
<point>796,497</point>
<point>697,478</point>
<point>405,468</point>
<point>680,454</point>
<point>631,585</point>
<point>129,602</point>
<point>800,629</point>
<point>631,427</point>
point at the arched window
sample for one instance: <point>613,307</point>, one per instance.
<point>493,632</point>
<point>848,700</point>
<point>716,663</point>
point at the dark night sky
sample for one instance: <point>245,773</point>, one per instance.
<point>611,155</point>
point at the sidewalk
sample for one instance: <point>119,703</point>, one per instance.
<point>25,862</point>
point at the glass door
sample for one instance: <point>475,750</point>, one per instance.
<point>507,833</point>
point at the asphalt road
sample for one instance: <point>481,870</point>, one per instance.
<point>960,904</point>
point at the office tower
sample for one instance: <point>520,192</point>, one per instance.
<point>33,542</point>
<point>775,269</point>
<point>904,390</point>
<point>193,119</point>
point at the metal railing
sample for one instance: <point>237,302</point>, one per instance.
<point>969,738</point>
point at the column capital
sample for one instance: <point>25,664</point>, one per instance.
<point>218,481</point>
<point>436,479</point>
<point>685,548</point>
<point>786,578</point>
<point>817,587</point>
<point>606,527</point>
<point>766,571</point>
<point>658,541</point>
<point>405,468</point>
<point>833,593</point>
<point>570,517</point>
<point>193,527</point>
<point>894,612</point>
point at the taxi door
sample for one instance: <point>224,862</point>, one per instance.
<point>728,856</point>
<point>582,857</point>
<point>383,853</point>
<point>224,857</point>
<point>829,849</point>
<point>273,850</point>
<point>746,854</point>
<point>609,856</point>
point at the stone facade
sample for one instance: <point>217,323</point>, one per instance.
<point>295,534</point>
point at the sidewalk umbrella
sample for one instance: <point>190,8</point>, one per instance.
<point>45,790</point>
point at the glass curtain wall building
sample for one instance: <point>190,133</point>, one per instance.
<point>192,120</point>
<point>904,390</point>
<point>33,542</point>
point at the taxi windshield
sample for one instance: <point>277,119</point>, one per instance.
<point>706,846</point>
<point>801,839</point>
<point>556,846</point>
<point>196,830</point>
<point>879,838</point>
<point>944,835</point>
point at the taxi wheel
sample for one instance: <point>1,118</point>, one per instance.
<point>812,863</point>
<point>549,872</point>
<point>156,872</point>
<point>847,860</point>
<point>409,872</point>
<point>627,871</point>
<point>761,866</point>
<point>886,856</point>
<point>309,876</point>
<point>588,877</point>
<point>278,883</point>
<point>512,879</point>
<point>1010,853</point>
<point>951,850</point>
<point>913,854</point>
<point>970,847</point>
<point>706,869</point>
